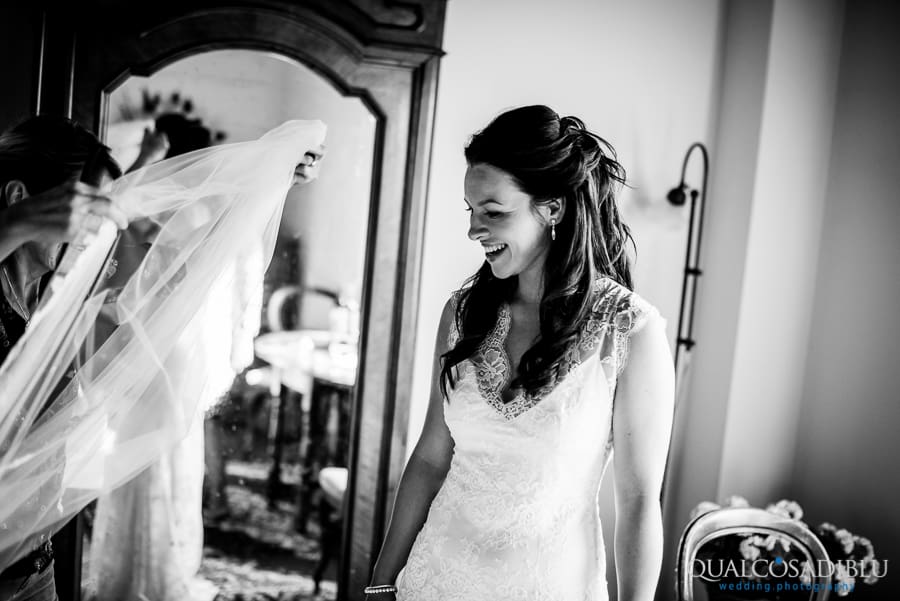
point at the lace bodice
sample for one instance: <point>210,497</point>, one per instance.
<point>516,517</point>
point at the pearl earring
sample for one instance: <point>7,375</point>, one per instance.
<point>553,229</point>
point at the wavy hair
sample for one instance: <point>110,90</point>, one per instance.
<point>549,157</point>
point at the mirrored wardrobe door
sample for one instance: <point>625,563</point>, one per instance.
<point>380,61</point>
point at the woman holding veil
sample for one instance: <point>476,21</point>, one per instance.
<point>69,435</point>
<point>41,210</point>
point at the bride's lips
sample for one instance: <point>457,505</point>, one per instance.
<point>492,251</point>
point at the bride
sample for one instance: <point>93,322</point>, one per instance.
<point>546,364</point>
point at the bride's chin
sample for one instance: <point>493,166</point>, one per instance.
<point>501,274</point>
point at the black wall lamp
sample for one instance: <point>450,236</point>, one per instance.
<point>678,196</point>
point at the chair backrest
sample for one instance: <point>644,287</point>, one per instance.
<point>745,520</point>
<point>309,315</point>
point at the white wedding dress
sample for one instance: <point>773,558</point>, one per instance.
<point>147,542</point>
<point>517,517</point>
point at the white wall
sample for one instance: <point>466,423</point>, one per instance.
<point>785,221</point>
<point>806,369</point>
<point>846,469</point>
<point>641,74</point>
<point>695,454</point>
<point>740,415</point>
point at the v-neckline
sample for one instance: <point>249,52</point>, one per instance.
<point>520,402</point>
<point>504,318</point>
<point>492,384</point>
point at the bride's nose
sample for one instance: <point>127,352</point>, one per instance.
<point>477,230</point>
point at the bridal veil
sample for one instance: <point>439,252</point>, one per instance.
<point>133,397</point>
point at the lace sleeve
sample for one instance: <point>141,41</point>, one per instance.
<point>633,314</point>
<point>453,333</point>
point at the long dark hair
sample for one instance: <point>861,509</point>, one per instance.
<point>44,151</point>
<point>549,157</point>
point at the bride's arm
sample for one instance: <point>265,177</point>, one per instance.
<point>642,422</point>
<point>423,476</point>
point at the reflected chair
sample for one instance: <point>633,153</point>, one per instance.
<point>745,520</point>
<point>309,304</point>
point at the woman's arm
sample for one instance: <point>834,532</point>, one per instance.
<point>154,147</point>
<point>642,424</point>
<point>423,476</point>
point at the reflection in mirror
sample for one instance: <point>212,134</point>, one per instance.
<point>273,433</point>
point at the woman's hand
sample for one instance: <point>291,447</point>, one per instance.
<point>154,147</point>
<point>308,169</point>
<point>61,213</point>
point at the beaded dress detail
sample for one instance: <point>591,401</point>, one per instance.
<point>517,517</point>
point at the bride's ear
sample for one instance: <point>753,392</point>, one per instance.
<point>554,210</point>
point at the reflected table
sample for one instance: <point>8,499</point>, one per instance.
<point>322,369</point>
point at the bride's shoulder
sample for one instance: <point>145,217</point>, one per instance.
<point>621,313</point>
<point>448,328</point>
<point>451,305</point>
<point>457,295</point>
<point>616,304</point>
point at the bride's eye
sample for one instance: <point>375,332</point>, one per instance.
<point>493,214</point>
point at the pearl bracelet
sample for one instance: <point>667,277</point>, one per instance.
<point>381,588</point>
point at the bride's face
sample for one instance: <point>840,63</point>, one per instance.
<point>504,220</point>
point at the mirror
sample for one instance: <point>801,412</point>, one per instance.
<point>276,443</point>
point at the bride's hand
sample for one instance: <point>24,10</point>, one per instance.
<point>154,147</point>
<point>308,169</point>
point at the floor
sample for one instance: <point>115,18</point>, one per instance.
<point>255,554</point>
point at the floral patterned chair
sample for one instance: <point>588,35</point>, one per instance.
<point>746,522</point>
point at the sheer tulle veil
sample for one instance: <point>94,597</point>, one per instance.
<point>133,397</point>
